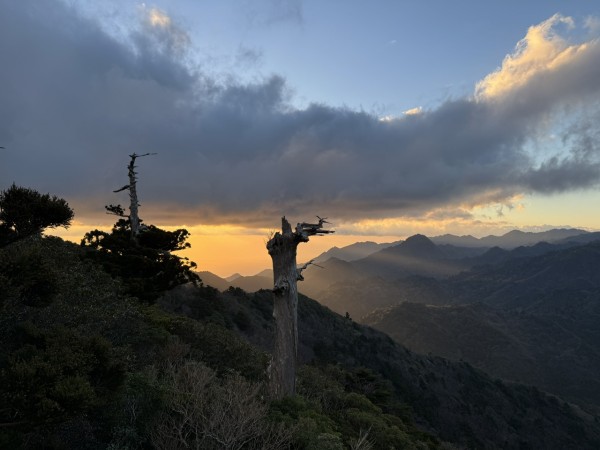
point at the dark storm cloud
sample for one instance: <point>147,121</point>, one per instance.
<point>75,102</point>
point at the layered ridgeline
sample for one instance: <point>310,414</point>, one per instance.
<point>365,276</point>
<point>83,365</point>
<point>526,313</point>
<point>532,319</point>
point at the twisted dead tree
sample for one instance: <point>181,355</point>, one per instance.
<point>134,218</point>
<point>282,249</point>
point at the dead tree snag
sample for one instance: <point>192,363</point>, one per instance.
<point>134,218</point>
<point>282,248</point>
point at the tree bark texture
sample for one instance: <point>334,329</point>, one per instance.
<point>134,218</point>
<point>282,249</point>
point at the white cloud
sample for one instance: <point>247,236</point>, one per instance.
<point>164,31</point>
<point>541,50</point>
<point>592,24</point>
<point>158,18</point>
<point>414,111</point>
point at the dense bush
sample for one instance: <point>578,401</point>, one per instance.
<point>24,212</point>
<point>146,265</point>
<point>29,277</point>
<point>55,374</point>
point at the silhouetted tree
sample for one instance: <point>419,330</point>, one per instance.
<point>147,267</point>
<point>24,212</point>
<point>118,210</point>
<point>282,248</point>
<point>140,254</point>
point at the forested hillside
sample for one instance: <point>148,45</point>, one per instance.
<point>85,365</point>
<point>533,317</point>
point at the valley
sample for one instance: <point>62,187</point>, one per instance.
<point>523,307</point>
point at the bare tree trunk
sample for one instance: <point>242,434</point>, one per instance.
<point>282,248</point>
<point>134,219</point>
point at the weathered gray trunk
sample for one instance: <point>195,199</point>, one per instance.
<point>282,248</point>
<point>134,218</point>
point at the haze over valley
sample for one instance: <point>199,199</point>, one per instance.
<point>523,306</point>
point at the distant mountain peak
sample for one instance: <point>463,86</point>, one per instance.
<point>418,246</point>
<point>417,241</point>
<point>418,237</point>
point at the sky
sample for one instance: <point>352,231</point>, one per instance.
<point>390,118</point>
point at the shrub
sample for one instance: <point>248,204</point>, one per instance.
<point>24,212</point>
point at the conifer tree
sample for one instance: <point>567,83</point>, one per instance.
<point>141,254</point>
<point>24,212</point>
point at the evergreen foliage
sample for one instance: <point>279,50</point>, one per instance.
<point>88,369</point>
<point>146,265</point>
<point>24,212</point>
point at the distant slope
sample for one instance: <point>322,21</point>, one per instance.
<point>415,271</point>
<point>519,282</point>
<point>403,272</point>
<point>359,297</point>
<point>249,284</point>
<point>539,322</point>
<point>418,255</point>
<point>581,238</point>
<point>253,283</point>
<point>497,255</point>
<point>529,348</point>
<point>328,273</point>
<point>354,251</point>
<point>512,239</point>
<point>210,279</point>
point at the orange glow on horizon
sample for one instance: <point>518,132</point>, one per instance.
<point>225,250</point>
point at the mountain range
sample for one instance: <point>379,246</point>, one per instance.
<point>510,240</point>
<point>532,319</point>
<point>439,257</point>
<point>525,313</point>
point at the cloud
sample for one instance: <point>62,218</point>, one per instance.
<point>539,51</point>
<point>270,12</point>
<point>592,24</point>
<point>76,101</point>
<point>248,57</point>
<point>414,111</point>
<point>158,29</point>
<point>158,18</point>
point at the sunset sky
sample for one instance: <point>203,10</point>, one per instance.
<point>388,117</point>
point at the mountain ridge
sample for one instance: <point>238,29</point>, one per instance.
<point>530,319</point>
<point>511,239</point>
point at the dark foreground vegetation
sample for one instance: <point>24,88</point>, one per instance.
<point>85,365</point>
